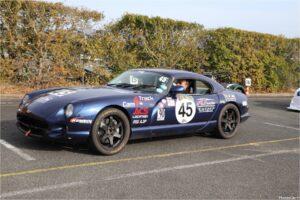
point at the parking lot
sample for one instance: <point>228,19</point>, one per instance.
<point>261,161</point>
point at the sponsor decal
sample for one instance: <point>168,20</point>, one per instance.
<point>62,92</point>
<point>133,80</point>
<point>167,102</point>
<point>161,105</point>
<point>81,121</point>
<point>161,114</point>
<point>138,101</point>
<point>139,121</point>
<point>128,104</point>
<point>163,87</point>
<point>146,98</point>
<point>139,116</point>
<point>43,99</point>
<point>185,108</point>
<point>163,79</point>
<point>245,103</point>
<point>159,90</point>
<point>229,97</point>
<point>139,113</point>
<point>170,102</point>
<point>206,105</point>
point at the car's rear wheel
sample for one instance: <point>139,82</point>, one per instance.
<point>228,121</point>
<point>110,132</point>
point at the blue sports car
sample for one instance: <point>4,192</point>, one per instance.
<point>138,103</point>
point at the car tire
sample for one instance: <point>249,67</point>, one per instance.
<point>110,132</point>
<point>228,122</point>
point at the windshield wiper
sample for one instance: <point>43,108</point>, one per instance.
<point>122,85</point>
<point>144,86</point>
<point>127,85</point>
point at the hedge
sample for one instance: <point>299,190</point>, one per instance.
<point>51,44</point>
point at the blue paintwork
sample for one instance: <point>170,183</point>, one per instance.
<point>89,102</point>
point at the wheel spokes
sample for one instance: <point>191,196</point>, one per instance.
<point>104,138</point>
<point>111,140</point>
<point>104,126</point>
<point>228,121</point>
<point>224,120</point>
<point>110,131</point>
<point>117,135</point>
<point>225,127</point>
<point>229,126</point>
<point>118,125</point>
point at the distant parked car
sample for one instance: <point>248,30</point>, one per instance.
<point>231,86</point>
<point>295,102</point>
<point>236,87</point>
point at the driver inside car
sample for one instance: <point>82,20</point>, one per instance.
<point>186,85</point>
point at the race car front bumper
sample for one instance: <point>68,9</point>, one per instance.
<point>36,130</point>
<point>245,116</point>
<point>32,126</point>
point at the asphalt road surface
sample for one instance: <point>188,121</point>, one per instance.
<point>261,161</point>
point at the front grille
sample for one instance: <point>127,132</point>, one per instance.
<point>31,121</point>
<point>33,131</point>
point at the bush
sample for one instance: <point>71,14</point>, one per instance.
<point>55,44</point>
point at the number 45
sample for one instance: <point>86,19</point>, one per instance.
<point>185,109</point>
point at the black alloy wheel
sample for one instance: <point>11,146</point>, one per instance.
<point>111,131</point>
<point>228,121</point>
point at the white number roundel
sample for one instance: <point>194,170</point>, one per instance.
<point>185,108</point>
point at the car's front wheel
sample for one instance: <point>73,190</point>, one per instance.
<point>110,132</point>
<point>228,121</point>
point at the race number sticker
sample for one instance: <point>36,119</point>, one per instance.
<point>185,108</point>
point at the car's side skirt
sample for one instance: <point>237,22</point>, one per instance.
<point>173,129</point>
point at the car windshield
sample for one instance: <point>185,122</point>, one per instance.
<point>143,81</point>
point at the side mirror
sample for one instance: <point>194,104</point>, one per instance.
<point>177,89</point>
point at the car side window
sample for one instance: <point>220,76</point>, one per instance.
<point>187,84</point>
<point>202,88</point>
<point>298,93</point>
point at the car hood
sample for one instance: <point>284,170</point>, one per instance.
<point>51,102</point>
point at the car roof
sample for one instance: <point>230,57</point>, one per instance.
<point>182,74</point>
<point>172,72</point>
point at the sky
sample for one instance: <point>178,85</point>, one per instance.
<point>278,17</point>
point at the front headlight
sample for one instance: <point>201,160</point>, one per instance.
<point>69,110</point>
<point>25,99</point>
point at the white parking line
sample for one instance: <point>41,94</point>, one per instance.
<point>16,150</point>
<point>141,173</point>
<point>41,189</point>
<point>282,126</point>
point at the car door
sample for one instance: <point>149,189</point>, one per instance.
<point>196,108</point>
<point>206,102</point>
<point>174,113</point>
<point>186,112</point>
